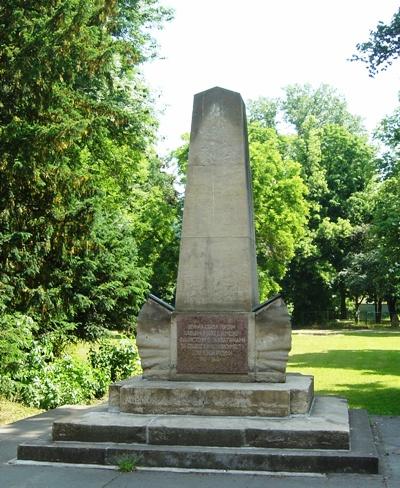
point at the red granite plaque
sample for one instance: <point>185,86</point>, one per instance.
<point>209,343</point>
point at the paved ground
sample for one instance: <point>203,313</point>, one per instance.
<point>386,429</point>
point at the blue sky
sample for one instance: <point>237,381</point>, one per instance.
<point>258,46</point>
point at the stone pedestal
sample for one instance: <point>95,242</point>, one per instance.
<point>141,396</point>
<point>327,440</point>
<point>327,427</point>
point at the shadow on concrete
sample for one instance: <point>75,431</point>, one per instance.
<point>38,425</point>
<point>377,333</point>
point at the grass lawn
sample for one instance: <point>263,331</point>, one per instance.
<point>363,367</point>
<point>12,411</point>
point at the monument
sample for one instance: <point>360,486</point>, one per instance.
<point>218,330</point>
<point>214,391</point>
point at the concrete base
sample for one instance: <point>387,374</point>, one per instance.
<point>361,457</point>
<point>141,396</point>
<point>327,427</point>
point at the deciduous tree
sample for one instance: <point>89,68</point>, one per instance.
<point>382,47</point>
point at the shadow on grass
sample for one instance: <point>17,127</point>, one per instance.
<point>374,397</point>
<point>376,334</point>
<point>382,362</point>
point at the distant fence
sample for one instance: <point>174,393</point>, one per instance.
<point>323,317</point>
<point>369,316</point>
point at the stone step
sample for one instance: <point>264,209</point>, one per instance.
<point>140,396</point>
<point>360,458</point>
<point>327,427</point>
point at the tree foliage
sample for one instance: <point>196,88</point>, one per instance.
<point>280,206</point>
<point>386,223</point>
<point>337,164</point>
<point>388,132</point>
<point>324,104</point>
<point>373,272</point>
<point>382,47</point>
<point>264,111</point>
<point>78,172</point>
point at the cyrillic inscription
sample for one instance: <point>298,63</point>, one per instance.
<point>209,343</point>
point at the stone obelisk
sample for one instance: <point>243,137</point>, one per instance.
<point>217,263</point>
<point>217,330</point>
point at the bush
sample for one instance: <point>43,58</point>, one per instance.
<point>64,381</point>
<point>46,382</point>
<point>119,360</point>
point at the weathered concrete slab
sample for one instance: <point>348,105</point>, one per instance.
<point>102,427</point>
<point>142,396</point>
<point>301,395</point>
<point>327,427</point>
<point>360,458</point>
<point>386,431</point>
<point>204,398</point>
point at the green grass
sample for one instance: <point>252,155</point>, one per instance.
<point>80,349</point>
<point>128,464</point>
<point>12,411</point>
<point>349,324</point>
<point>363,367</point>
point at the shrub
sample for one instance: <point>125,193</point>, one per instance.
<point>44,381</point>
<point>118,360</point>
<point>64,381</point>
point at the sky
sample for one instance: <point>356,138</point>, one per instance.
<point>256,47</point>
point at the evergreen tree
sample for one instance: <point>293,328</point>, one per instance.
<point>76,129</point>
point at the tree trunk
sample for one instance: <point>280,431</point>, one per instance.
<point>378,310</point>
<point>357,304</point>
<point>394,318</point>
<point>343,307</point>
